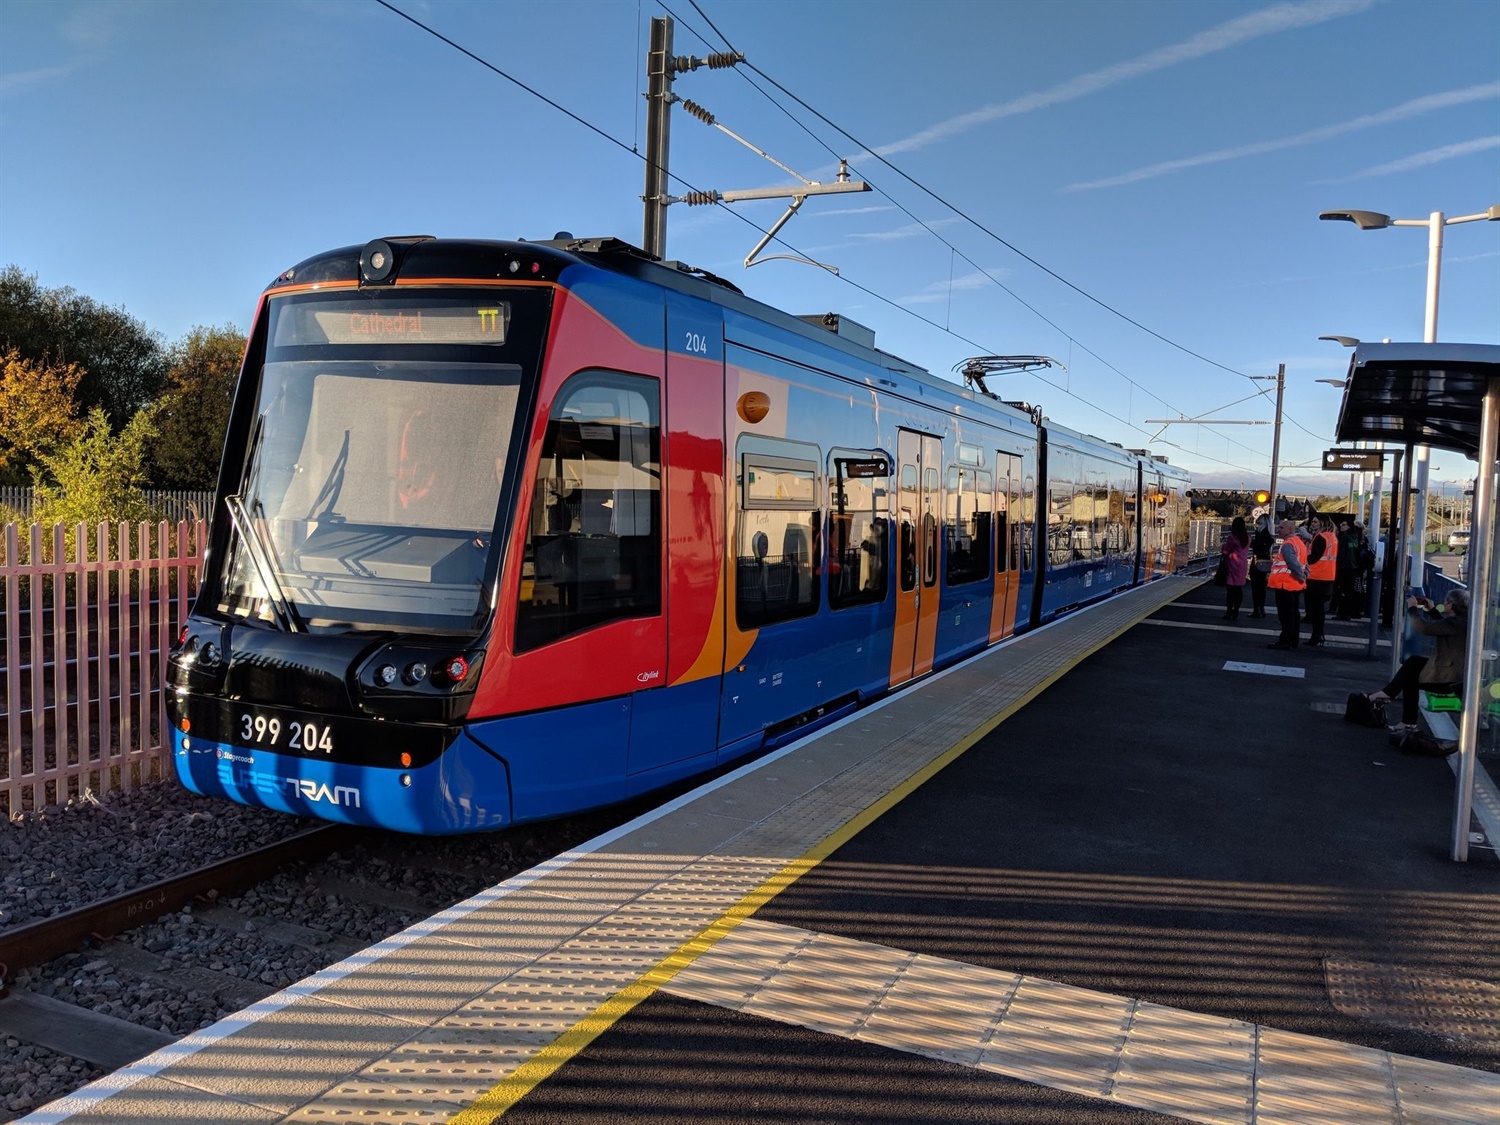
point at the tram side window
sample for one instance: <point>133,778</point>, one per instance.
<point>1024,522</point>
<point>1003,527</point>
<point>592,551</point>
<point>857,528</point>
<point>777,545</point>
<point>971,501</point>
<point>1063,531</point>
<point>907,519</point>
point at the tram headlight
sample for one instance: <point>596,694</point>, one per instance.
<point>415,673</point>
<point>456,669</point>
<point>377,262</point>
<point>385,675</point>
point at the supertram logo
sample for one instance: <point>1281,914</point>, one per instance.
<point>271,785</point>
<point>340,796</point>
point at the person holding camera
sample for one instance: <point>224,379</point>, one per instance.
<point>1443,672</point>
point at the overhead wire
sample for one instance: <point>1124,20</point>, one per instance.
<point>606,136</point>
<point>1260,391</point>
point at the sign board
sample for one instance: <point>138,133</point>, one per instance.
<point>1353,460</point>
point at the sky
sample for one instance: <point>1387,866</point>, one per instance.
<point>1131,187</point>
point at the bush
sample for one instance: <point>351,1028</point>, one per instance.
<point>97,475</point>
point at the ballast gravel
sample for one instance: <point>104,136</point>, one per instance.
<point>62,857</point>
<point>184,971</point>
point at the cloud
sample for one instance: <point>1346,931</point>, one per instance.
<point>1267,21</point>
<point>911,230</point>
<point>86,30</point>
<point>822,214</point>
<point>942,290</point>
<point>1403,112</point>
<point>23,80</point>
<point>1421,159</point>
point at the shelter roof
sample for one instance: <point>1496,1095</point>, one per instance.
<point>1418,394</point>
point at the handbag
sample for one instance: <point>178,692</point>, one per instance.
<point>1263,565</point>
<point>1362,712</point>
<point>1219,574</point>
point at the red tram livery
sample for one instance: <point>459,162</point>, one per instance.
<point>510,530</point>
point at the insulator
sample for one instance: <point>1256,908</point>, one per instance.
<point>699,198</point>
<point>723,59</point>
<point>697,111</point>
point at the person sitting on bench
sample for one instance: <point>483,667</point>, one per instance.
<point>1443,672</point>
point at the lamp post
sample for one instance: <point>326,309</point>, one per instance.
<point>1374,220</point>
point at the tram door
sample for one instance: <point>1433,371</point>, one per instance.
<point>917,499</point>
<point>1007,545</point>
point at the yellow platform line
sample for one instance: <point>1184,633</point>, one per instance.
<point>546,1062</point>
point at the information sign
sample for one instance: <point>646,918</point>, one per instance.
<point>1353,460</point>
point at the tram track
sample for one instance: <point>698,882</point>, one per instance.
<point>94,988</point>
<point>21,947</point>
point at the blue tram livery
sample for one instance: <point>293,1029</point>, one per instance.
<point>510,530</point>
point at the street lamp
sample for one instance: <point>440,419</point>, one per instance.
<point>1374,220</point>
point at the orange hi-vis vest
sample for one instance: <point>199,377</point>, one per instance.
<point>1326,568</point>
<point>1281,577</point>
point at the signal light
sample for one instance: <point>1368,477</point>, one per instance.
<point>456,669</point>
<point>1262,497</point>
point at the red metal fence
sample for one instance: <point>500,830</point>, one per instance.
<point>88,616</point>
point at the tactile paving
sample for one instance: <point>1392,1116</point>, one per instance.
<point>1403,997</point>
<point>668,903</point>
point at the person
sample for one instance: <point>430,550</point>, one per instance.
<point>1235,551</point>
<point>1448,626</point>
<point>1260,567</point>
<point>1288,579</point>
<point>1322,570</point>
<point>1345,605</point>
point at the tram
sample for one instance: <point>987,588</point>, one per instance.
<point>509,530</point>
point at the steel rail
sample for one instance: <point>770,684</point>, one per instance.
<point>36,942</point>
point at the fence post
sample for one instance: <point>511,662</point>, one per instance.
<point>106,654</point>
<point>84,681</point>
<point>12,669</point>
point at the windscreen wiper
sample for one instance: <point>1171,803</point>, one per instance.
<point>328,495</point>
<point>286,613</point>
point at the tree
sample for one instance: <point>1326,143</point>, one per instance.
<point>193,413</point>
<point>38,412</point>
<point>122,361</point>
<point>97,475</point>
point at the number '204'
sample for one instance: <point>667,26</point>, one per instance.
<point>697,343</point>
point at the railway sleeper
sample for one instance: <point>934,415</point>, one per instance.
<point>105,1041</point>
<point>386,897</point>
<point>286,933</point>
<point>229,990</point>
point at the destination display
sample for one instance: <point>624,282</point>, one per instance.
<point>476,320</point>
<point>1353,460</point>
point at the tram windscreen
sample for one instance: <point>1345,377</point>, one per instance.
<point>371,485</point>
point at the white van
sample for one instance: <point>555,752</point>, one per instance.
<point>1458,540</point>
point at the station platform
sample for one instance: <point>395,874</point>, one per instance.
<point>1131,867</point>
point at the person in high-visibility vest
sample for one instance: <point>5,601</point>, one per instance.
<point>1287,581</point>
<point>1322,572</point>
